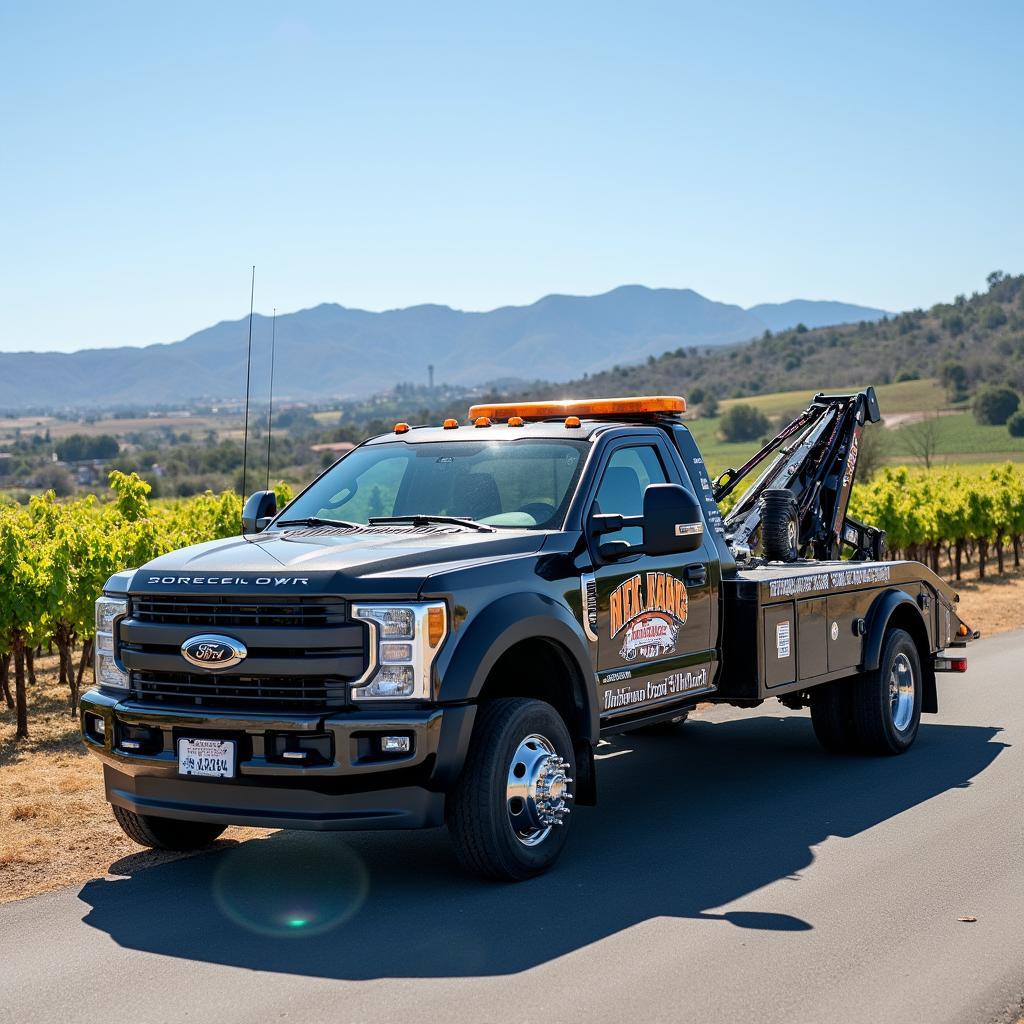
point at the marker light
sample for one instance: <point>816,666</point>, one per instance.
<point>587,408</point>
<point>572,421</point>
<point>401,428</point>
<point>450,424</point>
<point>481,421</point>
<point>515,421</point>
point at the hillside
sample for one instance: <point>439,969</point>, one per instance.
<point>963,344</point>
<point>331,351</point>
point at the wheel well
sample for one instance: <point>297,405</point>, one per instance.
<point>543,669</point>
<point>908,618</point>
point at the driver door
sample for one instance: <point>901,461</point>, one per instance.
<point>653,612</point>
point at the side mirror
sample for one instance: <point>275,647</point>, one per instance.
<point>260,508</point>
<point>673,522</point>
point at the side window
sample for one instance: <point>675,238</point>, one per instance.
<point>628,472</point>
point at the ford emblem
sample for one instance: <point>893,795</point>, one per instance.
<point>212,651</point>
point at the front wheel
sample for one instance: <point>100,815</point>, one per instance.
<point>887,701</point>
<point>509,811</point>
<point>165,833</point>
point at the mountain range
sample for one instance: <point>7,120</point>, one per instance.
<point>331,351</point>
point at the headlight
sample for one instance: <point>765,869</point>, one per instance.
<point>109,610</point>
<point>404,640</point>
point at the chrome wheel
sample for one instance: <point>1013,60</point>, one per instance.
<point>536,790</point>
<point>901,692</point>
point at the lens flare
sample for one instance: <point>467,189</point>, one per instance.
<point>290,886</point>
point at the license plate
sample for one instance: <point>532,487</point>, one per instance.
<point>214,759</point>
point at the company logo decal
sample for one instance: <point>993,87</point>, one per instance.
<point>212,651</point>
<point>648,610</point>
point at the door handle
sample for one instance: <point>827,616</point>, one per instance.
<point>695,575</point>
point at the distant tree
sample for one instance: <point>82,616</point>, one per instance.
<point>709,407</point>
<point>56,479</point>
<point>994,278</point>
<point>1015,424</point>
<point>954,380</point>
<point>873,448</point>
<point>995,404</point>
<point>993,317</point>
<point>81,447</point>
<point>923,438</point>
<point>695,395</point>
<point>801,328</point>
<point>744,423</point>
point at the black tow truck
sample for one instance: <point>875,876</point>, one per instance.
<point>442,626</point>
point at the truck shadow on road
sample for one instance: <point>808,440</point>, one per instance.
<point>685,824</point>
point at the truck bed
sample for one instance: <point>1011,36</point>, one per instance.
<point>810,620</point>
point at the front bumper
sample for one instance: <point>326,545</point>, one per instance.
<point>347,782</point>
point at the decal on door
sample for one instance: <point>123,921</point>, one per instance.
<point>668,688</point>
<point>647,610</point>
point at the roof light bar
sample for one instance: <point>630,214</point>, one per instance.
<point>586,408</point>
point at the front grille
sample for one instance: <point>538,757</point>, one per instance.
<point>224,612</point>
<point>301,652</point>
<point>250,693</point>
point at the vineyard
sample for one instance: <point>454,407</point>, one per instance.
<point>946,518</point>
<point>55,556</point>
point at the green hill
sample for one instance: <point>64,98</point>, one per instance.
<point>962,344</point>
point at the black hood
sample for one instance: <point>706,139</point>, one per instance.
<point>386,559</point>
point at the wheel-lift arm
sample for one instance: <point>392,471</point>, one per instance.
<point>815,457</point>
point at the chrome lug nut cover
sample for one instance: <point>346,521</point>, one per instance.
<point>537,790</point>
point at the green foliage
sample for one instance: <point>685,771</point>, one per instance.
<point>994,405</point>
<point>1015,424</point>
<point>81,447</point>
<point>743,423</point>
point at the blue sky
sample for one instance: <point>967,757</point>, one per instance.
<point>384,154</point>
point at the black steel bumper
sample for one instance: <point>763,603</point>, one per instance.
<point>346,782</point>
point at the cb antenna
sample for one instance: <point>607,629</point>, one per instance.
<point>270,413</point>
<point>248,372</point>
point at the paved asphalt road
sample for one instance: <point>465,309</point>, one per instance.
<point>734,873</point>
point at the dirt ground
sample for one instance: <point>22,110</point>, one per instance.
<point>56,829</point>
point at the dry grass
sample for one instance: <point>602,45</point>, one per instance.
<point>994,604</point>
<point>56,828</point>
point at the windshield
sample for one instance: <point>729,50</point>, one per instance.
<point>523,484</point>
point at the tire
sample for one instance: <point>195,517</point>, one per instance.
<point>493,817</point>
<point>671,727</point>
<point>166,833</point>
<point>780,525</point>
<point>887,702</point>
<point>832,716</point>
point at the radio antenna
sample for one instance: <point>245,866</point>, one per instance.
<point>270,413</point>
<point>248,372</point>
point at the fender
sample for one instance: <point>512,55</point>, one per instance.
<point>500,625</point>
<point>879,616</point>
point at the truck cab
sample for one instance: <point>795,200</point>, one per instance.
<point>443,625</point>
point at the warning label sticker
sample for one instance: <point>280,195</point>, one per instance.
<point>782,639</point>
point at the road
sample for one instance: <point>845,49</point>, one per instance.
<point>733,873</point>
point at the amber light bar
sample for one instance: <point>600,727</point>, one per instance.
<point>585,408</point>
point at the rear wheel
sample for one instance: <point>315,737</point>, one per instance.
<point>887,701</point>
<point>165,833</point>
<point>509,811</point>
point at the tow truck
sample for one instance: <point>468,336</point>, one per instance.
<point>443,626</point>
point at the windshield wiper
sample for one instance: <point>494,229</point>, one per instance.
<point>425,519</point>
<point>319,521</point>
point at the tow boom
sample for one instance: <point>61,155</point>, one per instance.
<point>815,458</point>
